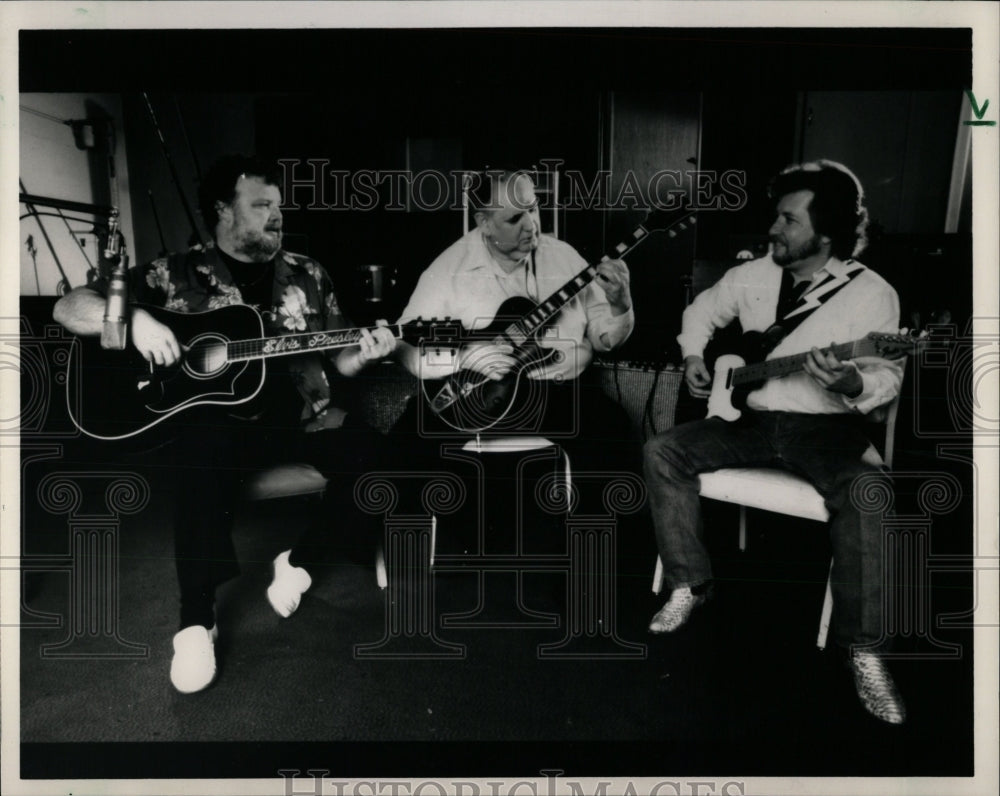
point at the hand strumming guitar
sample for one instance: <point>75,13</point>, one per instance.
<point>154,340</point>
<point>698,378</point>
<point>613,277</point>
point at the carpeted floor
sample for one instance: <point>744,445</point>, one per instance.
<point>743,688</point>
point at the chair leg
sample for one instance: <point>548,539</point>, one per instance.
<point>658,576</point>
<point>824,617</point>
<point>743,529</point>
<point>568,482</point>
<point>380,574</point>
<point>434,527</point>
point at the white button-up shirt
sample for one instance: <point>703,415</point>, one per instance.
<point>750,292</point>
<point>466,282</point>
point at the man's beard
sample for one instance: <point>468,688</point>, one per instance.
<point>796,253</point>
<point>259,246</point>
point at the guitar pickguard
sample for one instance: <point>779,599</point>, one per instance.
<point>469,401</point>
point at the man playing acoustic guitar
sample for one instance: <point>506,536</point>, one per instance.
<point>806,294</point>
<point>216,447</point>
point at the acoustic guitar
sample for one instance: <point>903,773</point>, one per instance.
<point>117,394</point>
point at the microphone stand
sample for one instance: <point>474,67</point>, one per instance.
<point>195,235</point>
<point>113,333</point>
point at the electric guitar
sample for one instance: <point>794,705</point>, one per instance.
<point>733,379</point>
<point>118,394</point>
<point>470,402</point>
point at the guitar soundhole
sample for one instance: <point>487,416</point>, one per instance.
<point>206,357</point>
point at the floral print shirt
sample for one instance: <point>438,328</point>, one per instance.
<point>302,299</point>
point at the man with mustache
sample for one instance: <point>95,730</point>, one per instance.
<point>216,448</point>
<point>809,422</point>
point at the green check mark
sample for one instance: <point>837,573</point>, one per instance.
<point>977,111</point>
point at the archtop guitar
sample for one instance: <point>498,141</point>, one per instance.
<point>470,402</point>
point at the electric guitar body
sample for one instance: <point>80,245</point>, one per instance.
<point>734,379</point>
<point>469,401</point>
<point>729,403</point>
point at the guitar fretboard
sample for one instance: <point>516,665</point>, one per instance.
<point>261,347</point>
<point>522,330</point>
<point>782,366</point>
<point>548,309</point>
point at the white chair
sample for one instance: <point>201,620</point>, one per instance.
<point>783,493</point>
<point>498,564</point>
<point>487,445</point>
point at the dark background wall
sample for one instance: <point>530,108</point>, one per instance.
<point>627,103</point>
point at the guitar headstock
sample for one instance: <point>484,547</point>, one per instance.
<point>672,222</point>
<point>421,329</point>
<point>893,346</point>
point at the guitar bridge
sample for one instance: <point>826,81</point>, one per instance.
<point>445,397</point>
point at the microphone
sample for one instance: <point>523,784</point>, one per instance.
<point>113,333</point>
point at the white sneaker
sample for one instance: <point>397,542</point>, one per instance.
<point>676,612</point>
<point>289,584</point>
<point>193,665</point>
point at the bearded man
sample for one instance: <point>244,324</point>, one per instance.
<point>807,293</point>
<point>295,416</point>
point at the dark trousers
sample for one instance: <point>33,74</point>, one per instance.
<point>212,457</point>
<point>825,449</point>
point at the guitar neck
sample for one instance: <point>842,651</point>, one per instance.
<point>782,366</point>
<point>548,309</point>
<point>283,345</point>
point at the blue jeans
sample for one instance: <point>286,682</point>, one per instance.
<point>825,449</point>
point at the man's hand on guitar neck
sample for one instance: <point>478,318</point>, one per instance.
<point>832,374</point>
<point>698,379</point>
<point>154,340</point>
<point>613,277</point>
<point>374,346</point>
